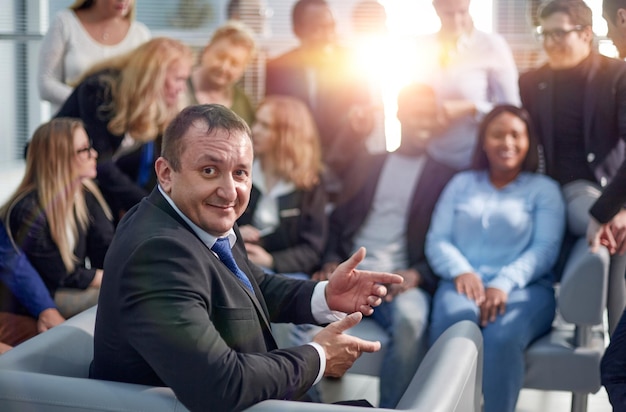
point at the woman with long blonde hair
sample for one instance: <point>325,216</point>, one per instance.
<point>285,224</point>
<point>85,33</point>
<point>125,103</point>
<point>57,215</point>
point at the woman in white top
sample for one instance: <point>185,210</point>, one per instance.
<point>84,34</point>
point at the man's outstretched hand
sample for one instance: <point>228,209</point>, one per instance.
<point>341,349</point>
<point>351,290</point>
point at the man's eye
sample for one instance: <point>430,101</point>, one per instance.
<point>241,173</point>
<point>209,171</point>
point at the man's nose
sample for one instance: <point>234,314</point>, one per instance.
<point>227,188</point>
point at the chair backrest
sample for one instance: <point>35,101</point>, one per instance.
<point>65,350</point>
<point>450,376</point>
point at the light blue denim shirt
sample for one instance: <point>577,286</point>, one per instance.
<point>509,236</point>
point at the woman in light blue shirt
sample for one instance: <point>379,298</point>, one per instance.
<point>494,238</point>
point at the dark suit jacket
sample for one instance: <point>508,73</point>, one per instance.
<point>347,218</point>
<point>171,313</point>
<point>337,91</point>
<point>604,124</point>
<point>298,242</point>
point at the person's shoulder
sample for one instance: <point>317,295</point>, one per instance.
<point>140,30</point>
<point>286,59</point>
<point>541,182</point>
<point>65,15</point>
<point>466,178</point>
<point>609,63</point>
<point>532,74</point>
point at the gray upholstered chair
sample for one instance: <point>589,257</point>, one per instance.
<point>568,358</point>
<point>48,373</point>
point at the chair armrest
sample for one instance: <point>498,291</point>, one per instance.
<point>450,376</point>
<point>22,391</point>
<point>582,293</point>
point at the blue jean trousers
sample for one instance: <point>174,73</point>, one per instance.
<point>405,319</point>
<point>613,367</point>
<point>529,314</point>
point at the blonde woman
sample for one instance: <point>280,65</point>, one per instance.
<point>285,226</point>
<point>59,218</point>
<point>87,32</point>
<point>222,63</point>
<point>125,103</point>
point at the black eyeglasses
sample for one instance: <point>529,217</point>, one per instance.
<point>89,150</point>
<point>555,34</point>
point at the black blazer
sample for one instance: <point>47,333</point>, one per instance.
<point>31,231</point>
<point>171,313</point>
<point>298,242</point>
<point>348,217</point>
<point>604,124</point>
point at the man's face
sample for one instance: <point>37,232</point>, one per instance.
<point>565,43</point>
<point>224,62</point>
<point>318,28</point>
<point>212,187</point>
<point>617,30</point>
<point>454,16</point>
<point>417,113</point>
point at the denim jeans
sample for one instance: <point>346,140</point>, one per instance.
<point>529,314</point>
<point>405,319</point>
<point>613,367</point>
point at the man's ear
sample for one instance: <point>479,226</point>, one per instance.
<point>621,17</point>
<point>164,174</point>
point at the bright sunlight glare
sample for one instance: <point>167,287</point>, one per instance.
<point>394,59</point>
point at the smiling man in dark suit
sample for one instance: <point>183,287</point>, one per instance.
<point>176,309</point>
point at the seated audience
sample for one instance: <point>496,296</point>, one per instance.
<point>494,238</point>
<point>125,103</point>
<point>222,63</point>
<point>182,306</point>
<point>57,215</point>
<point>390,215</point>
<point>284,226</point>
<point>582,130</point>
<point>87,32</point>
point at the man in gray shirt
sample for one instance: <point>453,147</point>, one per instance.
<point>390,215</point>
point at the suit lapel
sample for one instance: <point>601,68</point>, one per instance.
<point>259,304</point>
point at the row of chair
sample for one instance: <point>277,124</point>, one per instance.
<point>50,372</point>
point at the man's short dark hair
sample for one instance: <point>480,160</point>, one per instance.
<point>479,158</point>
<point>298,13</point>
<point>610,8</point>
<point>232,9</point>
<point>577,10</point>
<point>214,117</point>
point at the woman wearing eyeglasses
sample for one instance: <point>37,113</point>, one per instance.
<point>59,219</point>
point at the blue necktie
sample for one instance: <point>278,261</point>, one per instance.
<point>222,249</point>
<point>146,164</point>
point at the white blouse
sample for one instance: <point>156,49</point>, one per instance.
<point>67,50</point>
